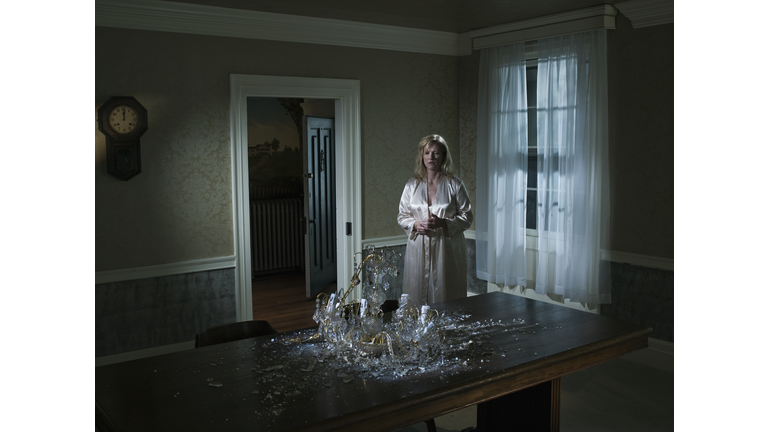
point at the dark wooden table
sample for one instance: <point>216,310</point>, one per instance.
<point>269,385</point>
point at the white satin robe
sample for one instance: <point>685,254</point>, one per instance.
<point>436,263</point>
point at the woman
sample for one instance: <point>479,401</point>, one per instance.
<point>434,212</point>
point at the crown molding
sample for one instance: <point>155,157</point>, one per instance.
<point>603,16</point>
<point>646,13</point>
<point>217,21</point>
<point>156,15</point>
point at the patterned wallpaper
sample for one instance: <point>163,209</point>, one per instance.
<point>417,96</point>
<point>641,98</point>
<point>180,207</point>
<point>469,71</point>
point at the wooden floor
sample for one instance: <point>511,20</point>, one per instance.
<point>281,299</point>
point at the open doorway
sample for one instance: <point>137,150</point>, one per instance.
<point>275,190</point>
<point>291,175</point>
<point>345,95</point>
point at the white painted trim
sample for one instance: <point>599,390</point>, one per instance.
<point>193,266</point>
<point>659,355</point>
<point>348,162</point>
<point>229,262</point>
<point>218,21</point>
<point>640,260</point>
<point>614,256</point>
<point>648,13</point>
<point>661,346</point>
<point>400,240</point>
<point>602,16</point>
<point>552,30</point>
<point>241,227</point>
<point>188,18</point>
<point>144,353</point>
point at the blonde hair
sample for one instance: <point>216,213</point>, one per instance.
<point>420,171</point>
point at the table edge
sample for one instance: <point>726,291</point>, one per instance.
<point>430,405</point>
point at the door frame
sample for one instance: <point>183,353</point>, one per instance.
<point>346,94</point>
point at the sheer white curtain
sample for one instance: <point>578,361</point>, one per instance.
<point>502,140</point>
<point>572,161</point>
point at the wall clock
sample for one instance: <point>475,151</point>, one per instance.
<point>123,121</point>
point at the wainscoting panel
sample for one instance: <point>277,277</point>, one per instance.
<point>645,296</point>
<point>145,313</point>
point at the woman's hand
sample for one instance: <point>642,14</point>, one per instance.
<point>430,224</point>
<point>422,227</point>
<point>435,222</point>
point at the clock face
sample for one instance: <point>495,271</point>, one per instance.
<point>123,119</point>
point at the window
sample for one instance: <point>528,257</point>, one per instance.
<point>531,70</point>
<point>542,123</point>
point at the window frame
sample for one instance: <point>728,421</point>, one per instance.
<point>531,60</point>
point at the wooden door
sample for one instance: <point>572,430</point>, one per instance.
<point>319,204</point>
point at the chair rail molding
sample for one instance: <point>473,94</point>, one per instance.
<point>607,255</point>
<point>218,21</point>
<point>647,13</point>
<point>401,240</point>
<point>206,264</point>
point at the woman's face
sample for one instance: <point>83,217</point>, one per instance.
<point>433,157</point>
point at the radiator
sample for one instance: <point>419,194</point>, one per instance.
<point>277,239</point>
<point>260,192</point>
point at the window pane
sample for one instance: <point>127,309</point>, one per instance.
<point>533,166</point>
<point>554,171</point>
<point>532,170</point>
<point>531,127</point>
<point>550,166</point>
<point>530,210</point>
<point>531,103</point>
<point>530,81</point>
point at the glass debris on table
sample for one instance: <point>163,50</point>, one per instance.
<point>353,343</point>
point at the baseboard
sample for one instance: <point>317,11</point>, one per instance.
<point>659,355</point>
<point>205,264</point>
<point>144,353</point>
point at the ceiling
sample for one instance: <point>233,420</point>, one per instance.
<point>455,16</point>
